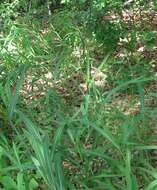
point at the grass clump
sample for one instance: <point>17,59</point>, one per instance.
<point>77,108</point>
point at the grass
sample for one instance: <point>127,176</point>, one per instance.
<point>59,129</point>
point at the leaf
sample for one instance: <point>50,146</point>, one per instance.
<point>59,171</point>
<point>107,134</point>
<point>20,182</point>
<point>152,185</point>
<point>14,98</point>
<point>125,84</point>
<point>30,126</point>
<point>8,183</point>
<point>33,184</point>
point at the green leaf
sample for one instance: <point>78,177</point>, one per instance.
<point>59,172</point>
<point>152,185</point>
<point>8,183</point>
<point>33,184</point>
<point>20,181</point>
<point>14,98</point>
<point>107,134</point>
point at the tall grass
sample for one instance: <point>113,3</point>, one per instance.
<point>47,142</point>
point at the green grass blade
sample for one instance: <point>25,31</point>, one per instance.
<point>14,97</point>
<point>107,134</point>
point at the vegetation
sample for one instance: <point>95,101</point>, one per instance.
<point>78,99</point>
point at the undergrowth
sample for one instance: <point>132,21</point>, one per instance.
<point>77,108</point>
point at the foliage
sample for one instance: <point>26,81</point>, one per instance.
<point>78,95</point>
